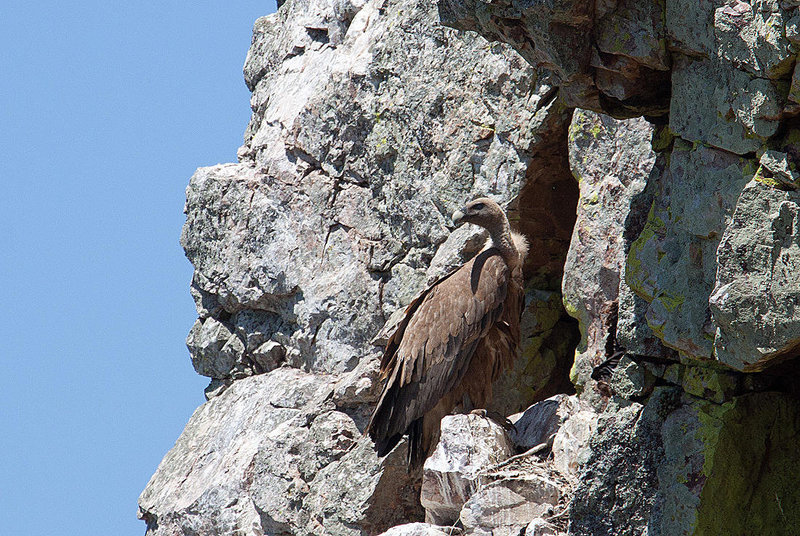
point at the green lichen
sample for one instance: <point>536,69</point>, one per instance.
<point>634,267</point>
<point>592,199</point>
<point>579,117</point>
<point>573,372</point>
<point>767,181</point>
<point>751,466</point>
<point>662,138</point>
<point>671,302</point>
<point>708,383</point>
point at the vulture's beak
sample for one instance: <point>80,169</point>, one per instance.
<point>458,216</point>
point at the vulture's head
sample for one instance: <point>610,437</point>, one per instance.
<point>482,211</point>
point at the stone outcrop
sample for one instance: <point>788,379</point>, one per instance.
<point>755,303</point>
<point>704,315</point>
<point>371,124</point>
<point>452,474</point>
<point>663,286</point>
<point>338,213</point>
<point>506,507</point>
<point>609,57</point>
<point>256,459</point>
<point>611,160</point>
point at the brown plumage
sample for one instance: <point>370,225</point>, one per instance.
<point>454,341</point>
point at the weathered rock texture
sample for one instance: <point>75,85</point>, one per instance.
<point>371,124</point>
<point>668,229</point>
<point>468,444</point>
<point>256,458</point>
<point>609,56</point>
<point>704,249</point>
<point>755,303</point>
<point>611,161</point>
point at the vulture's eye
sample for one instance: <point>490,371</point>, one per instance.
<point>478,206</point>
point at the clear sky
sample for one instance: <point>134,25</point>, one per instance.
<point>106,109</point>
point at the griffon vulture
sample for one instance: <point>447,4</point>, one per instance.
<point>454,341</point>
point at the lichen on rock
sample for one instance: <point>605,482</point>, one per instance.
<point>665,246</point>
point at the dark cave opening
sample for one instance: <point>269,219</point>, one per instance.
<point>545,212</point>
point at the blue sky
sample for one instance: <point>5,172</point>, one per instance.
<point>106,109</point>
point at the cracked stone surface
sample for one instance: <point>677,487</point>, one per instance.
<point>678,244</point>
<point>611,160</point>
<point>354,159</point>
<point>756,301</point>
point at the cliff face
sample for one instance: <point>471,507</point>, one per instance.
<point>673,237</point>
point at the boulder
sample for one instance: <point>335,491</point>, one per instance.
<point>611,161</point>
<point>672,263</point>
<point>257,459</point>
<point>467,446</point>
<point>755,302</point>
<point>538,423</point>
<point>571,443</point>
<point>505,507</point>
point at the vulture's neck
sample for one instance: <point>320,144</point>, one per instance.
<point>503,241</point>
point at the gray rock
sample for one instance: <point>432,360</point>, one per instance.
<point>778,166</point>
<point>214,347</point>
<point>354,159</point>
<point>207,468</point>
<point>793,29</point>
<point>724,107</point>
<point>361,494</point>
<point>611,160</point>
<point>571,443</point>
<point>371,124</point>
<point>568,57</point>
<point>505,507</point>
<point>215,388</point>
<point>540,527</point>
<point>259,456</point>
<point>632,333</point>
<point>612,58</point>
<point>720,94</point>
<point>690,26</point>
<point>631,380</point>
<point>617,489</point>
<point>714,452</point>
<point>751,37</point>
<point>756,298</point>
<point>630,37</point>
<point>658,469</point>
<point>467,445</point>
<point>269,355</point>
<point>538,423</point>
<point>421,529</point>
<point>706,382</point>
<point>672,263</point>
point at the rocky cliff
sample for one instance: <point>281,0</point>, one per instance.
<point>649,152</point>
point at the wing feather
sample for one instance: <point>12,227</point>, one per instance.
<point>431,349</point>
